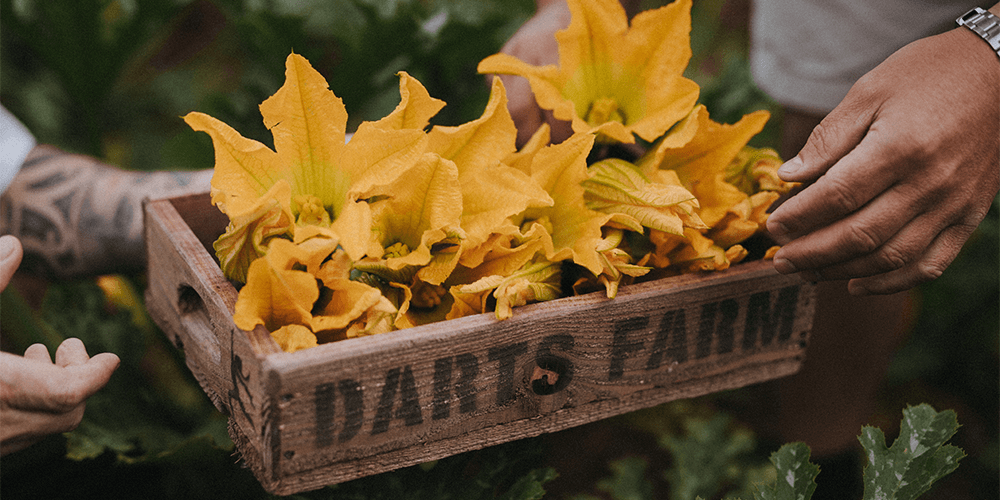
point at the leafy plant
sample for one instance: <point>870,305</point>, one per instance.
<point>165,58</point>
<point>917,458</point>
<point>507,472</point>
<point>796,475</point>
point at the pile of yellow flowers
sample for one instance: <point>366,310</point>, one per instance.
<point>405,224</point>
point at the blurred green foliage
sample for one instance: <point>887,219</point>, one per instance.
<point>111,78</point>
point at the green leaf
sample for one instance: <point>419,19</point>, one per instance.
<point>917,458</point>
<point>796,475</point>
<point>508,471</point>
<point>707,458</point>
<point>628,480</point>
<point>530,486</point>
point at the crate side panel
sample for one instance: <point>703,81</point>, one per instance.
<point>191,301</point>
<point>449,382</point>
<point>564,418</point>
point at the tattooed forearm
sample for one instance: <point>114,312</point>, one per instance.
<point>77,216</point>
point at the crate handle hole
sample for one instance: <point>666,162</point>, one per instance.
<point>188,300</point>
<point>196,321</point>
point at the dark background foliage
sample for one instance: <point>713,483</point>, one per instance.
<point>111,78</point>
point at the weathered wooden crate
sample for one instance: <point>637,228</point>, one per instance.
<point>363,406</point>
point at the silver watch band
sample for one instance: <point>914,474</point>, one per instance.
<point>984,24</point>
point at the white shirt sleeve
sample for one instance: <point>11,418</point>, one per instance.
<point>15,144</point>
<point>808,53</point>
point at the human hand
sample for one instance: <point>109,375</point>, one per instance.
<point>10,258</point>
<point>535,43</point>
<point>39,397</point>
<point>901,172</point>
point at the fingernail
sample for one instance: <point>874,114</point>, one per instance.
<point>784,266</point>
<point>790,167</point>
<point>6,246</point>
<point>776,228</point>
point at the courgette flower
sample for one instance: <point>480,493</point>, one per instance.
<point>308,177</point>
<point>614,79</point>
<point>735,186</point>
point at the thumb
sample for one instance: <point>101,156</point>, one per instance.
<point>839,132</point>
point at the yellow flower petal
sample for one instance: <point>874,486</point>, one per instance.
<point>702,254</point>
<point>244,169</point>
<point>380,318</point>
<point>521,160</point>
<point>423,214</point>
<point>308,123</point>
<point>375,157</point>
<point>660,44</point>
<point>291,338</point>
<point>733,230</point>
<point>342,302</point>
<point>481,142</point>
<point>701,164</point>
<point>526,290</point>
<point>276,294</point>
<point>709,152</point>
<point>318,252</point>
<point>356,225</point>
<point>575,229</point>
<point>736,253</point>
<point>502,254</point>
<point>416,107</point>
<point>248,233</point>
<point>535,282</point>
<point>491,191</point>
<point>614,79</point>
<point>618,187</point>
<point>756,169</point>
<point>618,266</point>
<point>498,193</point>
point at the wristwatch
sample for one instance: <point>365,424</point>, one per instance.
<point>984,24</point>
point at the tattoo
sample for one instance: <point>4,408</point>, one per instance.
<point>77,216</point>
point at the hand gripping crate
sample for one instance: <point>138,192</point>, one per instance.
<point>367,405</point>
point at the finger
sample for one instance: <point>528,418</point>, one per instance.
<point>38,352</point>
<point>10,258</point>
<point>930,266</point>
<point>849,185</point>
<point>837,134</point>
<point>899,251</point>
<point>85,380</point>
<point>857,235</point>
<point>71,352</point>
<point>33,386</point>
<point>101,366</point>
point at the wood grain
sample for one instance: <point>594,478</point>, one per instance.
<point>363,406</point>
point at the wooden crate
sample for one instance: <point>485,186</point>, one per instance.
<point>368,405</point>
